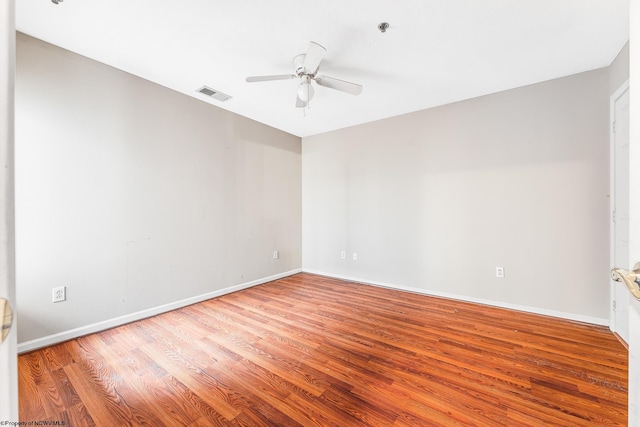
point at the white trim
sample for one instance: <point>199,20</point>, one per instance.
<point>8,361</point>
<point>612,117</point>
<point>143,314</point>
<point>501,304</point>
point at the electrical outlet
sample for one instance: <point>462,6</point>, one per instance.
<point>355,256</point>
<point>500,272</point>
<point>343,255</point>
<point>59,294</point>
<point>276,254</point>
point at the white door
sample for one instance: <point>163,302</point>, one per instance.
<point>8,361</point>
<point>620,205</point>
<point>634,186</point>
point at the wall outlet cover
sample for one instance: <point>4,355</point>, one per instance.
<point>59,294</point>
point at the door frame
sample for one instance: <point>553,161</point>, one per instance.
<point>612,116</point>
<point>8,349</point>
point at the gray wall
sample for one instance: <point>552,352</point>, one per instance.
<point>134,196</point>
<point>435,200</point>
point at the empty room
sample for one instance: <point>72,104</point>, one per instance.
<point>320,213</point>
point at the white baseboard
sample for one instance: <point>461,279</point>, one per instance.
<point>139,315</point>
<point>534,310</point>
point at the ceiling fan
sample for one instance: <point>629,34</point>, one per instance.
<point>306,67</point>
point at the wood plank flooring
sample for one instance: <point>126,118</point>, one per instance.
<point>312,351</point>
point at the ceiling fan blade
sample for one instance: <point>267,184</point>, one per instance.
<point>341,85</point>
<point>300,103</point>
<point>314,55</point>
<point>269,78</point>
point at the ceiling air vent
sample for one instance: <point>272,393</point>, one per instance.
<point>212,93</point>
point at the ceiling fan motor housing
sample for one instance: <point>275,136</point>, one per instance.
<point>298,64</point>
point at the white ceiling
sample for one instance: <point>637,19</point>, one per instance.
<point>435,51</point>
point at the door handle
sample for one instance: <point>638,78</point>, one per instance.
<point>6,316</point>
<point>631,279</point>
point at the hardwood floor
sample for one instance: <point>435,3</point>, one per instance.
<point>312,351</point>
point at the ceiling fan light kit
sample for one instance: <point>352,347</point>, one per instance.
<point>306,66</point>
<point>305,90</point>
